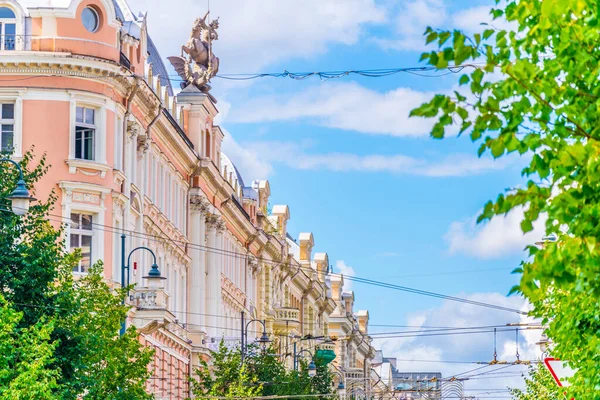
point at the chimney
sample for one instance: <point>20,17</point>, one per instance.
<point>337,283</point>
<point>282,212</point>
<point>363,321</point>
<point>322,261</point>
<point>306,244</point>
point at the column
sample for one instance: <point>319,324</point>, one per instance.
<point>211,267</point>
<point>220,256</point>
<point>197,272</point>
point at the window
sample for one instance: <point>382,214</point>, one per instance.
<point>8,28</point>
<point>81,238</point>
<point>7,129</point>
<point>90,19</point>
<point>85,131</point>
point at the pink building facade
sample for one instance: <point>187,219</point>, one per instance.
<point>82,82</point>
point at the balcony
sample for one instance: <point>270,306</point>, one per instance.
<point>286,318</point>
<point>124,61</point>
<point>354,373</point>
<point>148,298</point>
<point>325,352</point>
<point>15,42</point>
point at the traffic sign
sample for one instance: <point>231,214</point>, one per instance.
<point>559,370</point>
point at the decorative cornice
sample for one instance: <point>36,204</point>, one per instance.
<point>215,221</point>
<point>199,203</point>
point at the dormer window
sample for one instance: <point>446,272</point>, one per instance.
<point>8,29</point>
<point>90,19</point>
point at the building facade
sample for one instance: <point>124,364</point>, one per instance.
<point>82,82</point>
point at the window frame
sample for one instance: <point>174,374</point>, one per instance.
<point>93,127</point>
<point>101,105</point>
<point>3,22</point>
<point>82,232</point>
<point>7,121</point>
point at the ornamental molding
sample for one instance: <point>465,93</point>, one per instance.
<point>227,286</point>
<point>133,128</point>
<point>143,145</point>
<point>199,203</point>
<point>215,221</point>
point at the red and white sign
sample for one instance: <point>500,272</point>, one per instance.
<point>560,371</point>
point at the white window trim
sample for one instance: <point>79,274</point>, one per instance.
<point>98,212</point>
<point>19,20</point>
<point>15,97</point>
<point>82,232</point>
<point>100,105</point>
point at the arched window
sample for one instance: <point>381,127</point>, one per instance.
<point>8,28</point>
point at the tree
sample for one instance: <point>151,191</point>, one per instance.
<point>72,324</point>
<point>535,91</point>
<point>539,385</point>
<point>25,354</point>
<point>263,373</point>
<point>226,377</point>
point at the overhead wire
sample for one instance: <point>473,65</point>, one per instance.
<point>351,278</point>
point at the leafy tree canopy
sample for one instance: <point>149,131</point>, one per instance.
<point>535,91</point>
<point>262,374</point>
<point>59,337</point>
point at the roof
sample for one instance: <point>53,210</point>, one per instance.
<point>118,11</point>
<point>226,162</point>
<point>158,66</point>
<point>132,26</point>
<point>294,248</point>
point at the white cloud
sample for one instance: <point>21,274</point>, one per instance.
<point>499,237</point>
<point>412,19</point>
<point>346,271</point>
<point>348,106</point>
<point>254,34</point>
<point>296,156</point>
<point>415,16</point>
<point>471,19</point>
<point>433,352</point>
<point>250,163</point>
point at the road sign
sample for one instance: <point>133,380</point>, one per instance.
<point>560,371</point>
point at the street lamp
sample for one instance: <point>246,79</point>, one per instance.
<point>154,278</point>
<point>20,197</point>
<point>264,338</point>
<point>312,367</point>
<point>341,388</point>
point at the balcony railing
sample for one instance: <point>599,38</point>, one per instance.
<point>15,42</point>
<point>327,346</point>
<point>124,61</point>
<point>287,314</point>
<point>148,298</point>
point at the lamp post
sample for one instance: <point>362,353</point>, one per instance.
<point>153,276</point>
<point>312,367</point>
<point>264,338</point>
<point>341,388</point>
<point>20,197</point>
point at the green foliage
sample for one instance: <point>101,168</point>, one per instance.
<point>262,374</point>
<point>535,91</point>
<point>61,335</point>
<point>25,356</point>
<point>539,385</point>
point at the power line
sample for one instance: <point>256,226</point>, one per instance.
<point>351,278</point>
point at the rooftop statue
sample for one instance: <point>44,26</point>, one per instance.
<point>197,63</point>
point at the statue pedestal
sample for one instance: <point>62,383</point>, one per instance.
<point>199,112</point>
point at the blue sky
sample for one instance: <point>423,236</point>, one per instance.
<point>379,195</point>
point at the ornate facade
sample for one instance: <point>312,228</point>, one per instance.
<point>82,81</point>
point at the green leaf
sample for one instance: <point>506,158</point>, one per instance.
<point>464,79</point>
<point>487,33</point>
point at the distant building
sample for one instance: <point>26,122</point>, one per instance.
<point>415,385</point>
